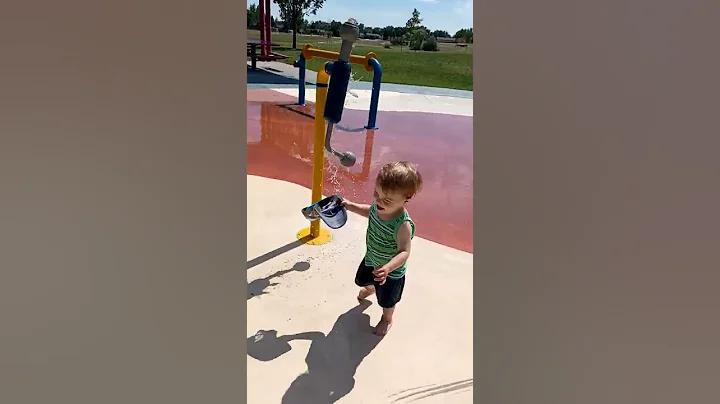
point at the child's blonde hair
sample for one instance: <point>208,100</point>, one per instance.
<point>400,176</point>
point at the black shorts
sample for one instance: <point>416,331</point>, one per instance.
<point>389,293</point>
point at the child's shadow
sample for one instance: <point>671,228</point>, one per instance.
<point>257,287</point>
<point>331,361</point>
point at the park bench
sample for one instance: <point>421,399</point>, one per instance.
<point>252,52</point>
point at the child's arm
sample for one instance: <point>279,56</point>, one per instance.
<point>358,208</point>
<point>404,242</point>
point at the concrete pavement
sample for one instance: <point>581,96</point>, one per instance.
<point>310,342</point>
<point>396,101</point>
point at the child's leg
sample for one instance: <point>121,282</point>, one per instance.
<point>388,295</point>
<point>365,279</point>
<point>383,326</point>
<point>365,292</point>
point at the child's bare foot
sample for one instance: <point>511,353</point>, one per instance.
<point>365,292</point>
<point>382,327</point>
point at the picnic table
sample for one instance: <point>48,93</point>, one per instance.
<point>252,52</point>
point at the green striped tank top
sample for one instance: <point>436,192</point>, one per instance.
<point>381,240</point>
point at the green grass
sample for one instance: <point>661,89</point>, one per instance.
<point>450,67</point>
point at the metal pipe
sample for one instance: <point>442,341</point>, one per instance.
<point>375,95</point>
<point>268,28</point>
<point>345,49</point>
<point>347,158</point>
<point>318,154</point>
<point>309,52</point>
<point>369,62</point>
<point>261,25</point>
<point>340,76</point>
<point>300,64</point>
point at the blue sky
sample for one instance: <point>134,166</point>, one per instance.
<point>448,15</point>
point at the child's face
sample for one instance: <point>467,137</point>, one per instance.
<point>389,201</point>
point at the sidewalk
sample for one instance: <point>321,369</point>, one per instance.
<point>288,71</point>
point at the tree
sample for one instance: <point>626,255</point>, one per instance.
<point>417,37</point>
<point>414,32</point>
<point>466,34</point>
<point>253,15</point>
<point>440,34</point>
<point>387,32</point>
<point>414,21</point>
<point>319,27</point>
<point>302,26</point>
<point>335,28</point>
<point>430,44</point>
<point>293,13</point>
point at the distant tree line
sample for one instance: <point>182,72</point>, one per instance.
<point>414,35</point>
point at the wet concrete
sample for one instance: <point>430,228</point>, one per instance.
<point>280,142</point>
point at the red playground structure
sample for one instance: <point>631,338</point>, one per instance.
<point>265,43</point>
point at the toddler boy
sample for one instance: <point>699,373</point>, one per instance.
<point>388,239</point>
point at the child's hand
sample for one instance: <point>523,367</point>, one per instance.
<point>381,274</point>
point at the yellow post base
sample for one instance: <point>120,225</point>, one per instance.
<point>324,237</point>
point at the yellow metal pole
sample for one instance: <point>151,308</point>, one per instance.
<point>319,145</point>
<point>314,235</point>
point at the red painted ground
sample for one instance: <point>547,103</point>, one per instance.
<point>280,146</point>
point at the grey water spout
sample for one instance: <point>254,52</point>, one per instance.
<point>349,32</point>
<point>346,158</point>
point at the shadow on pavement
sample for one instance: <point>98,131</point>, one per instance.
<point>264,76</point>
<point>331,361</point>
<point>278,251</point>
<point>257,286</point>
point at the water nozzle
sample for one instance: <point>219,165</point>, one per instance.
<point>347,159</point>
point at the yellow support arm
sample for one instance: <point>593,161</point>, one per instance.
<point>309,52</point>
